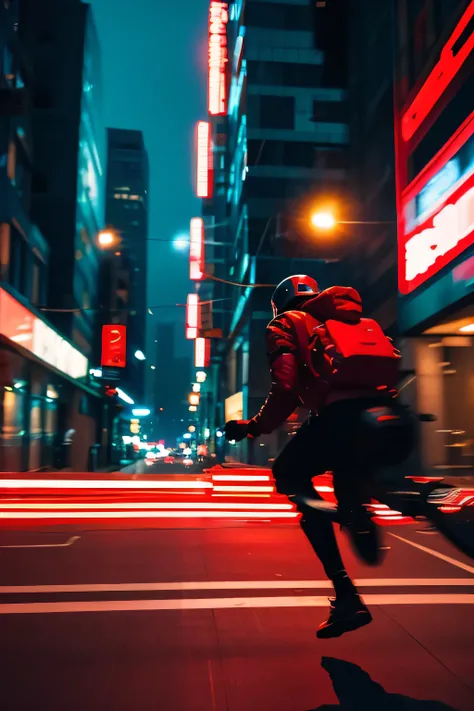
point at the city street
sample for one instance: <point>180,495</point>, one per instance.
<point>194,614</point>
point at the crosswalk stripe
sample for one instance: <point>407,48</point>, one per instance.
<point>221,603</point>
<point>230,585</point>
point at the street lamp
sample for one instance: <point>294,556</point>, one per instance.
<point>105,238</point>
<point>323,220</point>
<point>181,242</point>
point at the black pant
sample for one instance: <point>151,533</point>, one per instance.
<point>341,439</point>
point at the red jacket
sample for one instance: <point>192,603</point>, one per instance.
<point>340,303</point>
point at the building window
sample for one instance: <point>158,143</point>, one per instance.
<point>278,16</point>
<point>329,111</point>
<point>277,112</point>
<point>43,99</point>
<point>39,183</point>
<point>284,74</point>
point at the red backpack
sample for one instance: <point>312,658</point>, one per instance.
<point>345,356</point>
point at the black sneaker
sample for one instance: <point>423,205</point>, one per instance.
<point>345,615</point>
<point>364,534</point>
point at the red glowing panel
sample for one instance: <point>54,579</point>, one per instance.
<point>203,160</point>
<point>202,353</point>
<point>441,238</point>
<point>453,55</point>
<point>114,346</point>
<point>16,322</point>
<point>218,58</point>
<point>196,249</point>
<point>192,316</point>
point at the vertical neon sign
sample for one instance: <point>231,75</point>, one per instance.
<point>218,58</point>
<point>196,249</point>
<point>192,316</point>
<point>203,160</point>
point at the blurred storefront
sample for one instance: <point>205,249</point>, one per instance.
<point>48,413</point>
<point>435,193</point>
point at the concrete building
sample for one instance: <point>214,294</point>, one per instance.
<point>435,196</point>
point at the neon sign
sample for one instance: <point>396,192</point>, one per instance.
<point>218,58</point>
<point>440,239</point>
<point>202,352</point>
<point>196,249</point>
<point>204,160</point>
<point>453,55</point>
<point>192,316</point>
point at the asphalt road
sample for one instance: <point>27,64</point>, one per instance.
<point>221,616</point>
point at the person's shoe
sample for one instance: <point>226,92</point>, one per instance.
<point>345,615</point>
<point>364,534</point>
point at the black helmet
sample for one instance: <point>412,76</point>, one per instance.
<point>292,288</point>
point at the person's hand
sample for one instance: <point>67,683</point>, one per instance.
<point>236,430</point>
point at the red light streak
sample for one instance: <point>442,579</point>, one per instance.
<point>239,477</point>
<point>100,484</point>
<point>196,249</point>
<point>218,58</point>
<point>73,515</point>
<point>449,64</point>
<point>130,506</point>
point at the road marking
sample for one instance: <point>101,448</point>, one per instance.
<point>435,554</point>
<point>69,542</point>
<point>232,585</point>
<point>221,603</point>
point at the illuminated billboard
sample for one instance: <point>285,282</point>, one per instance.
<point>202,353</point>
<point>196,249</point>
<point>434,141</point>
<point>114,346</point>
<point>436,221</point>
<point>192,316</point>
<point>218,58</point>
<point>204,167</point>
<point>22,327</point>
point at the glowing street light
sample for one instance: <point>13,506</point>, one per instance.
<point>323,220</point>
<point>106,238</point>
<point>181,242</point>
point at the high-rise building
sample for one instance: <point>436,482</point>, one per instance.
<point>435,197</point>
<point>67,190</point>
<point>280,141</point>
<point>172,385</point>
<point>127,216</point>
<point>44,374</point>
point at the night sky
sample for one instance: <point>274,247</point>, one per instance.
<point>154,64</point>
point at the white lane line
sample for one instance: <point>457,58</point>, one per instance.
<point>435,554</point>
<point>69,542</point>
<point>232,585</point>
<point>221,603</point>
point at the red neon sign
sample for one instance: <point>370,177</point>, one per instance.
<point>196,249</point>
<point>114,346</point>
<point>192,316</point>
<point>441,238</point>
<point>202,353</point>
<point>218,58</point>
<point>203,160</point>
<point>450,62</point>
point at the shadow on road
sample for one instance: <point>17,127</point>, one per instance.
<point>356,691</point>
